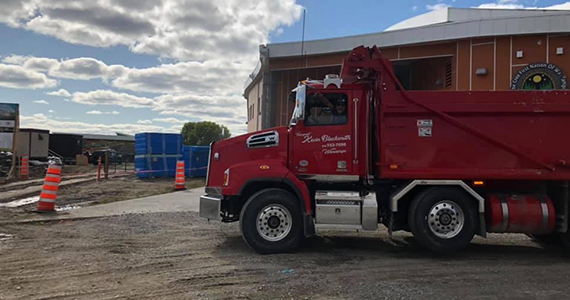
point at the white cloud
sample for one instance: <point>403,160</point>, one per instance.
<point>437,6</point>
<point>213,76</point>
<point>565,6</point>
<point>43,102</point>
<point>61,125</point>
<point>202,107</point>
<point>85,68</point>
<point>505,4</point>
<point>60,93</point>
<point>515,4</point>
<point>106,97</point>
<point>211,46</point>
<point>51,111</point>
<point>144,122</point>
<point>415,7</point>
<point>210,77</point>
<point>169,120</point>
<point>185,30</point>
<point>98,112</point>
<point>15,59</point>
<point>41,64</point>
<point>18,77</point>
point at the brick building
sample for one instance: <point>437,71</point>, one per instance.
<point>450,49</point>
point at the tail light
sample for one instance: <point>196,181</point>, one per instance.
<point>226,177</point>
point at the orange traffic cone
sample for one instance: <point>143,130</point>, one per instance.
<point>49,190</point>
<point>25,168</point>
<point>180,182</point>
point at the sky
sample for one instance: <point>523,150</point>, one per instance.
<point>107,66</point>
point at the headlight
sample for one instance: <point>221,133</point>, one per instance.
<point>226,177</point>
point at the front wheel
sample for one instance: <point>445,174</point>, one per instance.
<point>271,221</point>
<point>443,219</point>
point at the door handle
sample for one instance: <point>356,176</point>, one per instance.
<point>355,100</point>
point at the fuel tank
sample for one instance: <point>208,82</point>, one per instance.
<point>520,213</point>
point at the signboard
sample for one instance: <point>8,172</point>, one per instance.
<point>7,124</point>
<point>8,111</point>
<point>539,76</point>
<point>8,120</point>
<point>6,140</point>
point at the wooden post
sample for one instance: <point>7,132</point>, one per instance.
<point>16,129</point>
<point>99,168</point>
<point>106,165</point>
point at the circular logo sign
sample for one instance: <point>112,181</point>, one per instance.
<point>539,76</point>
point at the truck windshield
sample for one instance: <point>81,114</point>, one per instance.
<point>300,95</point>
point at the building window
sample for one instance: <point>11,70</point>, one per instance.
<point>448,74</point>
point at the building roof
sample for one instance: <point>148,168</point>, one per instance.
<point>451,14</point>
<point>122,138</point>
<point>437,26</point>
<point>34,130</point>
<point>103,137</point>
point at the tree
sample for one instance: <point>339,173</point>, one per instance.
<point>203,133</point>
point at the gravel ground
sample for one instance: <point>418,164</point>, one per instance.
<point>180,256</point>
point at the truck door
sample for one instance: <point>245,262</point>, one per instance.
<point>322,143</point>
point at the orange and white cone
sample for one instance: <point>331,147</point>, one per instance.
<point>49,189</point>
<point>180,182</point>
<point>25,168</point>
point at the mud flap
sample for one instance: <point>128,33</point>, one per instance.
<point>482,225</point>
<point>308,225</point>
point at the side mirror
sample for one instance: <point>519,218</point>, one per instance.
<point>300,94</point>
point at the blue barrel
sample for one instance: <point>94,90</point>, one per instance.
<point>156,154</point>
<point>196,160</point>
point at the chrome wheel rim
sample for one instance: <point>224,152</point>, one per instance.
<point>446,219</point>
<point>274,222</point>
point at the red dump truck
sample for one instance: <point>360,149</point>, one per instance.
<point>361,151</point>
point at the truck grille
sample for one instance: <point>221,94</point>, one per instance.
<point>266,139</point>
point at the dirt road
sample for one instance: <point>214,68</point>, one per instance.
<point>180,256</point>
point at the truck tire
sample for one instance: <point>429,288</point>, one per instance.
<point>443,219</point>
<point>271,221</point>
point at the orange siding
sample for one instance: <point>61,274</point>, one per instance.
<point>483,58</point>
<point>533,47</point>
<point>483,40</point>
<point>503,65</point>
<point>285,63</point>
<point>562,61</point>
<point>326,59</point>
<point>463,57</point>
<point>252,106</point>
<point>427,50</point>
<point>390,53</point>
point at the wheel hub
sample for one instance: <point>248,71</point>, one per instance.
<point>274,222</point>
<point>446,219</point>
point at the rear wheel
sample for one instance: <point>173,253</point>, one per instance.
<point>443,219</point>
<point>271,221</point>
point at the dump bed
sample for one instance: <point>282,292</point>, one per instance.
<point>474,135</point>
